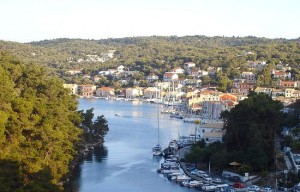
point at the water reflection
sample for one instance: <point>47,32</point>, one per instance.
<point>100,153</point>
<point>125,162</point>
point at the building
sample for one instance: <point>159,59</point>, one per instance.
<point>178,70</point>
<point>189,65</point>
<point>209,127</point>
<point>72,87</point>
<point>264,90</point>
<point>132,93</point>
<point>106,92</point>
<point>213,136</point>
<point>192,82</point>
<point>211,109</point>
<point>152,93</point>
<point>73,72</point>
<point>152,77</point>
<point>287,84</point>
<point>86,90</point>
<point>169,77</point>
<point>249,76</point>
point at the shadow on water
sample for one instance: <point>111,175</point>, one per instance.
<point>98,155</point>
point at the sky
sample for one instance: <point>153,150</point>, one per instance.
<point>35,20</point>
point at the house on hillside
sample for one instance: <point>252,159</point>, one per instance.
<point>287,84</point>
<point>152,93</point>
<point>73,72</point>
<point>264,90</point>
<point>276,74</point>
<point>106,92</point>
<point>86,90</point>
<point>189,65</point>
<point>209,127</point>
<point>192,82</point>
<point>72,87</point>
<point>211,109</point>
<point>213,136</point>
<point>249,76</point>
<point>177,70</point>
<point>152,77</point>
<point>169,77</point>
<point>132,93</point>
<point>228,97</point>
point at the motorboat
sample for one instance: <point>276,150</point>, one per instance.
<point>157,150</point>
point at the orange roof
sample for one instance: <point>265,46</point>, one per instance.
<point>105,89</point>
<point>279,73</point>
<point>288,82</point>
<point>228,97</point>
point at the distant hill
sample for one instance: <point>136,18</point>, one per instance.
<point>160,53</point>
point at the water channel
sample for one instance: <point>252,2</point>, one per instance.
<point>125,162</point>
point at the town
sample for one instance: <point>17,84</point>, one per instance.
<point>191,100</point>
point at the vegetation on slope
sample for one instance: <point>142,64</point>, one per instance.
<point>38,128</point>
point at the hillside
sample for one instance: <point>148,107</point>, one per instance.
<point>155,54</point>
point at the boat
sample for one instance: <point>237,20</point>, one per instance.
<point>194,183</point>
<point>157,150</point>
<point>117,114</point>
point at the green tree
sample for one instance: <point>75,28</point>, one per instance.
<point>251,126</point>
<point>100,126</point>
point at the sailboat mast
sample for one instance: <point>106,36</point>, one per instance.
<point>157,125</point>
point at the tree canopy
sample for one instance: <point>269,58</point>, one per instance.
<point>38,128</point>
<point>251,128</point>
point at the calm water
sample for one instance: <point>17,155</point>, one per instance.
<point>125,162</point>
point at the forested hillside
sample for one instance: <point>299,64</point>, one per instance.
<point>157,54</point>
<point>38,127</point>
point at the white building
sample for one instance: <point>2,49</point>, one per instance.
<point>72,87</point>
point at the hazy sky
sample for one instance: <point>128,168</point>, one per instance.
<point>34,20</point>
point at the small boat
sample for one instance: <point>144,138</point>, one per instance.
<point>157,150</point>
<point>117,114</point>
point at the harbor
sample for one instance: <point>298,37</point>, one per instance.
<point>125,161</point>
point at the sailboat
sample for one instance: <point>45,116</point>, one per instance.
<point>157,149</point>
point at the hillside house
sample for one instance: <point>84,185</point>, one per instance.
<point>151,78</point>
<point>72,87</point>
<point>73,72</point>
<point>287,84</point>
<point>192,82</point>
<point>264,90</point>
<point>249,76</point>
<point>152,93</point>
<point>276,74</point>
<point>132,93</point>
<point>213,136</point>
<point>189,65</point>
<point>202,73</point>
<point>105,92</point>
<point>257,65</point>
<point>170,77</point>
<point>209,127</point>
<point>86,90</point>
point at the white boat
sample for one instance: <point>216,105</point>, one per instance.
<point>117,114</point>
<point>195,183</point>
<point>157,150</point>
<point>181,178</point>
<point>191,119</point>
